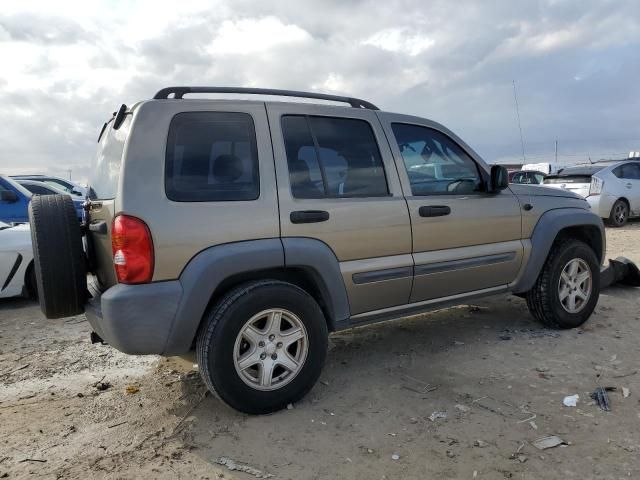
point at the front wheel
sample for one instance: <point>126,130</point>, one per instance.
<point>262,346</point>
<point>568,287</point>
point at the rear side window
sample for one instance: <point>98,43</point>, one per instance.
<point>212,157</point>
<point>630,171</point>
<point>106,172</point>
<point>39,190</point>
<point>332,158</point>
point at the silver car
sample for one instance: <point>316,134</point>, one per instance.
<point>612,189</point>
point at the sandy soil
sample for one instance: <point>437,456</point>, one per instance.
<point>500,379</point>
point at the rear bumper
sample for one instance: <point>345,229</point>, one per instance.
<point>601,204</point>
<point>135,319</point>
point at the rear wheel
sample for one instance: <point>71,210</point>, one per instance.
<point>619,214</point>
<point>567,290</point>
<point>58,258</point>
<point>262,346</point>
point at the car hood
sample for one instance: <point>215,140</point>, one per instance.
<point>541,191</point>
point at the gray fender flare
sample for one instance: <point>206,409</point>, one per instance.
<point>209,268</point>
<point>205,272</point>
<point>545,233</point>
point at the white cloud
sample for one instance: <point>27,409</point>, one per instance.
<point>400,40</point>
<point>253,35</point>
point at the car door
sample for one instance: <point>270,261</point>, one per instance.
<point>14,210</point>
<point>631,180</point>
<point>464,239</point>
<point>337,183</point>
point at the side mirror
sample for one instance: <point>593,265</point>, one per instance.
<point>8,196</point>
<point>499,178</point>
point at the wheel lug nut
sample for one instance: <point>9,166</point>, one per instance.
<point>272,337</point>
<point>263,356</point>
<point>279,345</point>
<point>261,343</point>
<point>274,356</point>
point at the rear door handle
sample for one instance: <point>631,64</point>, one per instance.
<point>434,211</point>
<point>309,216</point>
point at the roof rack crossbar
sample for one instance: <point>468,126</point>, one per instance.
<point>180,92</point>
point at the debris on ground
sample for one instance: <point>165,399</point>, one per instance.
<point>571,400</point>
<point>548,442</point>
<point>480,444</point>
<point>463,408</point>
<point>239,467</point>
<point>435,415</point>
<point>530,332</point>
<point>131,389</point>
<point>395,456</point>
<point>601,397</point>
<point>625,392</point>
<point>102,386</point>
<point>450,453</point>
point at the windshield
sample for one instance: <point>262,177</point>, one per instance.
<point>105,174</point>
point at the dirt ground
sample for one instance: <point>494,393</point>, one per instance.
<point>499,378</point>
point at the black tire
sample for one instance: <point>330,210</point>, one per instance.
<point>543,299</point>
<point>58,258</point>
<point>221,326</point>
<point>619,214</point>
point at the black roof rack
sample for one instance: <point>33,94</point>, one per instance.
<point>179,92</point>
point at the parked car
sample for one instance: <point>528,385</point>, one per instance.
<point>612,189</point>
<point>246,231</point>
<point>42,188</point>
<point>14,200</point>
<point>527,177</point>
<point>66,186</point>
<point>17,276</point>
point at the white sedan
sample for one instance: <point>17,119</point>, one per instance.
<point>16,261</point>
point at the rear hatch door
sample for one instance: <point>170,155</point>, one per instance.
<point>103,186</point>
<point>575,179</point>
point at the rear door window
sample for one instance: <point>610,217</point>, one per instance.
<point>212,157</point>
<point>631,171</point>
<point>332,158</point>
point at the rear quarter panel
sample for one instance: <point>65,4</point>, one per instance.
<point>182,229</point>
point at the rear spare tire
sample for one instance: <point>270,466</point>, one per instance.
<point>58,257</point>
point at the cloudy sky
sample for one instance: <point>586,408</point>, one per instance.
<point>66,65</point>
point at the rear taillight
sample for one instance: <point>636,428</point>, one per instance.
<point>596,186</point>
<point>132,249</point>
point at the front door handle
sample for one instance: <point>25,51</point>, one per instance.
<point>309,216</point>
<point>629,185</point>
<point>434,211</point>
